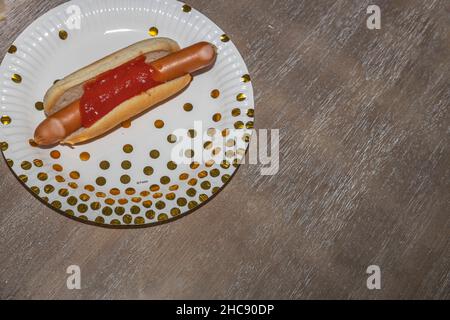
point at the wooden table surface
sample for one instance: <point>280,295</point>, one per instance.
<point>364,174</point>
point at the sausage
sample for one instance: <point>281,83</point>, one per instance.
<point>186,61</point>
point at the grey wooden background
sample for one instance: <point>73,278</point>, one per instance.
<point>364,174</point>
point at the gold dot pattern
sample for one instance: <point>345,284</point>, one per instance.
<point>6,120</point>
<point>186,8</point>
<point>63,34</point>
<point>12,49</point>
<point>200,189</point>
<point>153,31</point>
<point>16,78</point>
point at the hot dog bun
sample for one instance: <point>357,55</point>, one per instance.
<point>69,89</point>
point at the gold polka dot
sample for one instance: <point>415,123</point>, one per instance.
<point>192,133</point>
<point>125,179</point>
<point>99,219</point>
<point>225,132</point>
<point>186,8</point>
<point>35,190</point>
<point>114,191</point>
<point>192,182</point>
<point>159,124</point>
<point>4,146</point>
<point>246,137</point>
<point>10,162</point>
<point>189,153</point>
<point>147,203</point>
<point>127,219</point>
<point>231,143</point>
<point>154,154</point>
<point>100,181</point>
<point>5,120</point>
<point>183,176</point>
<point>241,97</point>
<point>42,176</point>
<point>206,185</point>
<point>25,165</point>
<point>236,112</point>
<point>144,193</point>
<point>73,185</point>
<point>157,195</point>
<point>181,202</point>
<point>160,205</point>
<point>110,201</point>
<point>38,163</point>
<point>165,180</point>
<point>163,217</point>
<point>123,201</point>
<point>126,165</point>
<point>224,38</point>
<point>217,117</point>
<point>119,210</point>
<point>72,200</point>
<point>150,214</point>
<point>250,125</point>
<point>55,154</point>
<point>57,167</point>
<point>82,208</point>
<point>171,138</point>
<point>139,220</point>
<point>202,174</point>
<point>60,179</point>
<point>56,204</point>
<point>69,212</point>
<point>128,148</point>
<point>107,211</point>
<point>95,205</point>
<point>194,165</point>
<point>192,204</point>
<point>23,178</point>
<point>188,107</point>
<point>135,210</point>
<point>136,199</point>
<point>49,188</point>
<point>207,145</point>
<point>174,187</point>
<point>153,31</point>
<point>126,124</point>
<point>211,132</point>
<point>214,173</point>
<point>74,175</point>
<point>115,222</point>
<point>148,171</point>
<point>215,190</point>
<point>225,178</point>
<point>251,113</point>
<point>154,188</point>
<point>100,194</point>
<point>175,212</point>
<point>63,192</point>
<point>130,191</point>
<point>203,197</point>
<point>171,165</point>
<point>225,164</point>
<point>63,34</point>
<point>215,94</point>
<point>216,151</point>
<point>239,125</point>
<point>84,197</point>
<point>209,163</point>
<point>16,78</point>
<point>85,156</point>
<point>39,105</point>
<point>246,78</point>
<point>12,49</point>
<point>191,192</point>
<point>104,165</point>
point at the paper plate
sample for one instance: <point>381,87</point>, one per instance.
<point>153,169</point>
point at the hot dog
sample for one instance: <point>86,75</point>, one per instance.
<point>101,96</point>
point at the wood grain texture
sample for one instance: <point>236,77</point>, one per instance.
<point>364,171</point>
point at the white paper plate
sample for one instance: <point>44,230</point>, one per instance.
<point>116,187</point>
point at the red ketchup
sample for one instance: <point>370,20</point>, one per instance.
<point>110,89</point>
